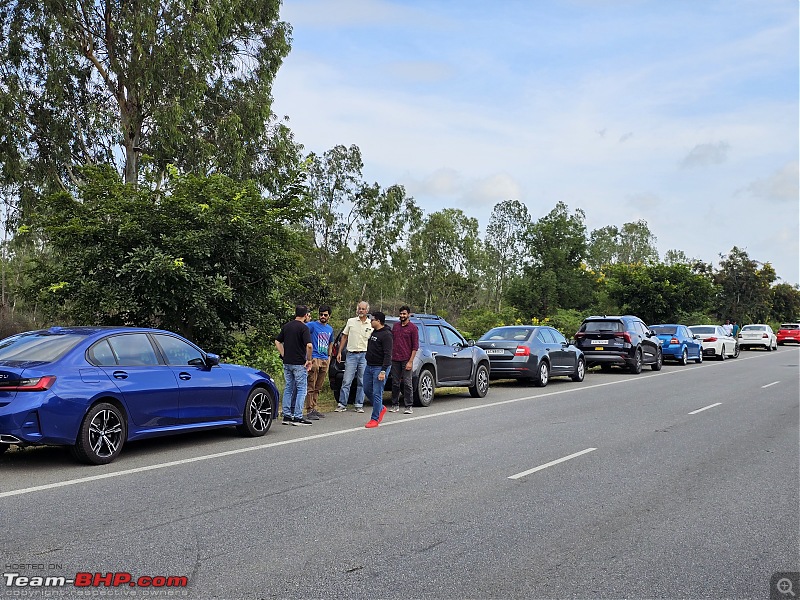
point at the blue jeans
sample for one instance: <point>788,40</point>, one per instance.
<point>373,389</point>
<point>294,394</point>
<point>354,366</point>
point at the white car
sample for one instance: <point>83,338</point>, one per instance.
<point>758,334</point>
<point>716,343</point>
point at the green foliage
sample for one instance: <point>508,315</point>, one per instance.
<point>207,258</point>
<point>785,302</point>
<point>567,321</point>
<point>633,244</point>
<point>475,322</point>
<point>255,351</point>
<point>744,288</point>
<point>658,293</point>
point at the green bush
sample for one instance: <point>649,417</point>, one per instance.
<point>251,351</point>
<point>474,323</point>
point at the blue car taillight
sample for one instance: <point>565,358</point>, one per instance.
<point>32,384</point>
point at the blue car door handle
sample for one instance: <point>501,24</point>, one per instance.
<point>120,375</point>
<point>185,376</point>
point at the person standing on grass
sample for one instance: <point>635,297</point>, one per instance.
<point>322,342</point>
<point>355,337</point>
<point>379,359</point>
<point>294,346</point>
<point>404,349</point>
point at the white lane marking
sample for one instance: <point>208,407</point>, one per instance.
<point>694,412</point>
<point>551,463</point>
<point>185,461</point>
<point>770,384</point>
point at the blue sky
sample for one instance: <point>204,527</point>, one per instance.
<point>682,113</point>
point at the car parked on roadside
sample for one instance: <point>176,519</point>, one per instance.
<point>444,359</point>
<point>757,335</point>
<point>678,343</point>
<point>716,341</point>
<point>96,388</point>
<point>619,340</point>
<point>531,353</point>
<point>789,333</point>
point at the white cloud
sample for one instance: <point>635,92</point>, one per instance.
<point>705,155</point>
<point>780,186</point>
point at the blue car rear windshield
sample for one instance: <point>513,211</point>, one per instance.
<point>39,346</point>
<point>665,330</point>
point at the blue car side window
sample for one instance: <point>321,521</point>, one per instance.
<point>133,350</point>
<point>178,352</point>
<point>101,355</point>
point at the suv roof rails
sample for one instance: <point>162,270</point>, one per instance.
<point>424,316</point>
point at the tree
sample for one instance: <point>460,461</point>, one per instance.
<point>634,243</point>
<point>168,81</point>
<point>207,258</point>
<point>659,293</point>
<point>744,288</point>
<point>505,246</point>
<point>555,275</point>
<point>785,302</point>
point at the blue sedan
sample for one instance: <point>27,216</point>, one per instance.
<point>94,388</point>
<point>678,343</point>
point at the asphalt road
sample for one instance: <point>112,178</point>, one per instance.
<point>615,487</point>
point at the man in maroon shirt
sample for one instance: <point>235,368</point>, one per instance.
<point>404,349</point>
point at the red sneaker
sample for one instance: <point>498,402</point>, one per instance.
<point>380,416</point>
<point>372,423</point>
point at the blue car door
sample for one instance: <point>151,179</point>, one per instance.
<point>206,393</point>
<point>149,389</point>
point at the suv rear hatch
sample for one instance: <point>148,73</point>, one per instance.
<point>603,335</point>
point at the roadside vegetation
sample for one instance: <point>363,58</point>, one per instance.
<point>145,184</point>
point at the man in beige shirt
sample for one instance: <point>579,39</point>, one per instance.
<point>355,337</point>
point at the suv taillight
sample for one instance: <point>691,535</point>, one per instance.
<point>625,336</point>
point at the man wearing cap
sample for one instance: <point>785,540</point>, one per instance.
<point>355,337</point>
<point>379,360</point>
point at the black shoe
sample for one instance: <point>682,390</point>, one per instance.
<point>288,421</point>
<point>319,414</point>
<point>301,421</point>
<point>312,416</point>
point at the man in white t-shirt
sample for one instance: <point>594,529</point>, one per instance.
<point>355,337</point>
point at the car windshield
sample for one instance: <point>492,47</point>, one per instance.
<point>602,326</point>
<point>754,328</point>
<point>40,346</point>
<point>703,329</point>
<point>790,326</point>
<point>665,329</point>
<point>517,334</point>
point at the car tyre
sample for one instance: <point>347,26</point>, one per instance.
<point>684,357</point>
<point>736,351</point>
<point>656,366</point>
<point>722,355</point>
<point>699,359</point>
<point>481,387</point>
<point>425,388</point>
<point>580,371</point>
<point>542,375</point>
<point>258,414</point>
<point>769,347</point>
<point>101,436</point>
<point>636,366</point>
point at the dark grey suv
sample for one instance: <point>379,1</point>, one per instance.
<point>623,340</point>
<point>444,359</point>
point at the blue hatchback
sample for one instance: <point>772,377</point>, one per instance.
<point>678,343</point>
<point>94,388</point>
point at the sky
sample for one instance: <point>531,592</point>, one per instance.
<point>683,113</point>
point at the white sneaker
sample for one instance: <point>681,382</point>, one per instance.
<point>408,411</point>
<point>340,408</point>
<point>360,409</point>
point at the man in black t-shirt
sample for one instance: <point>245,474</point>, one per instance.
<point>379,359</point>
<point>294,346</point>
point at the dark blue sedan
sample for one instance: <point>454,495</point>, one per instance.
<point>94,388</point>
<point>531,353</point>
<point>678,343</point>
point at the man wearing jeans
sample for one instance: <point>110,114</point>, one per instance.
<point>355,337</point>
<point>379,359</point>
<point>294,346</point>
<point>406,344</point>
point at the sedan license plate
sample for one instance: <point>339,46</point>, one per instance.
<point>494,351</point>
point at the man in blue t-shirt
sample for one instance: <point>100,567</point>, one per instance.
<point>322,342</point>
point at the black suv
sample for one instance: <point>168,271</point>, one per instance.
<point>444,359</point>
<point>624,341</point>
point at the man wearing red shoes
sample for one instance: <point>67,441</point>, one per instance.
<point>379,360</point>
